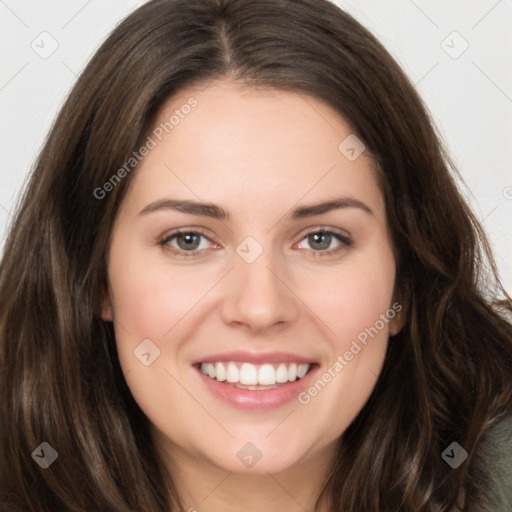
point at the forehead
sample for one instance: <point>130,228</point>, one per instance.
<point>252,148</point>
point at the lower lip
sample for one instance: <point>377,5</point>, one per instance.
<point>254,399</point>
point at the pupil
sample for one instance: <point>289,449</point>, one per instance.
<point>188,238</point>
<point>325,244</point>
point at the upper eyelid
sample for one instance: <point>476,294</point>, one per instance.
<point>168,235</point>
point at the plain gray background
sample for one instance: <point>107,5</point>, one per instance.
<point>458,53</point>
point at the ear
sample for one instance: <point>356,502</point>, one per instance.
<point>106,314</point>
<point>396,323</point>
<point>106,308</point>
<point>398,305</point>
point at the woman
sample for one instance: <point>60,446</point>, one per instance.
<point>242,276</point>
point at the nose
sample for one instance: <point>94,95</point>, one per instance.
<point>259,296</point>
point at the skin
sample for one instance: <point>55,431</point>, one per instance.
<point>257,153</point>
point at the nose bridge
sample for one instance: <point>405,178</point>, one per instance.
<point>259,298</point>
<point>254,269</point>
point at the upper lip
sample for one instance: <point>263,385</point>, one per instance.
<point>254,357</point>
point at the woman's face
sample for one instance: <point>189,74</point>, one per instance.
<point>291,325</point>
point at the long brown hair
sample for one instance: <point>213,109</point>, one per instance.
<point>447,373</point>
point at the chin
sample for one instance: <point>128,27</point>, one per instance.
<point>258,457</point>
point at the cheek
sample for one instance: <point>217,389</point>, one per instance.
<point>149,301</point>
<point>357,307</point>
<point>353,298</point>
<point>360,302</point>
<point>150,296</point>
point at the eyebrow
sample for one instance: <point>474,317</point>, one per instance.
<point>217,212</point>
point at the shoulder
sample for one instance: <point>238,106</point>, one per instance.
<point>492,467</point>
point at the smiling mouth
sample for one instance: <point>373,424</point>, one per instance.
<point>255,376</point>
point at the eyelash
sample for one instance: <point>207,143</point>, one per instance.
<point>344,240</point>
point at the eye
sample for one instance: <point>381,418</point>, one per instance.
<point>322,239</point>
<point>189,243</point>
<point>185,243</point>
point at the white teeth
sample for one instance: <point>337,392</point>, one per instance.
<point>232,373</point>
<point>282,373</point>
<point>266,375</point>
<point>292,372</point>
<point>302,369</point>
<point>221,372</point>
<point>248,374</point>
